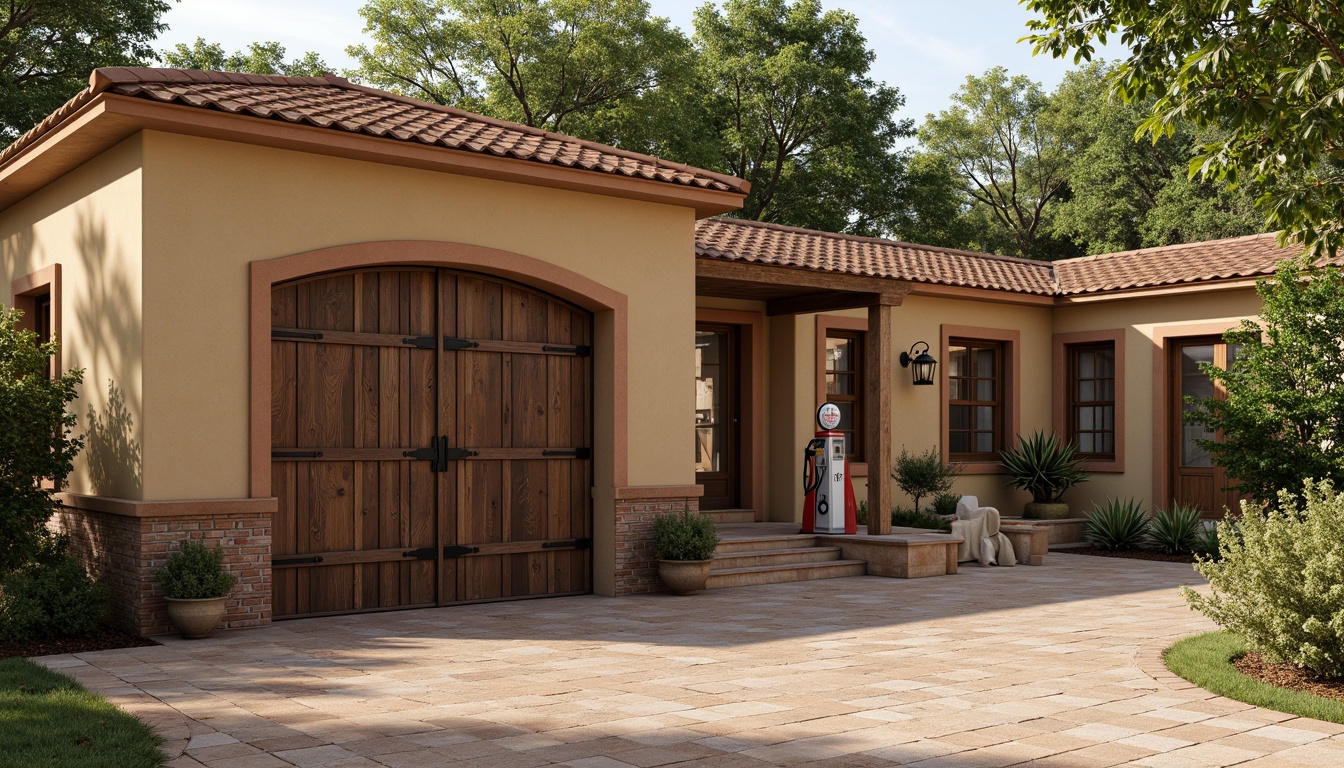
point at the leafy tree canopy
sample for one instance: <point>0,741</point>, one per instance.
<point>1266,76</point>
<point>800,117</point>
<point>49,47</point>
<point>266,58</point>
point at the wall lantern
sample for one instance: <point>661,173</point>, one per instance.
<point>922,365</point>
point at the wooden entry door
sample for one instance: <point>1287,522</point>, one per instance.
<point>717,415</point>
<point>1196,481</point>
<point>430,442</point>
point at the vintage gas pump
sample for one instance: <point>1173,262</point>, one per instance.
<point>828,506</point>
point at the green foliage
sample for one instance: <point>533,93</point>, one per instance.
<point>684,535</point>
<point>195,571</point>
<point>266,58</point>
<point>1280,582</point>
<point>49,47</point>
<point>1176,530</point>
<point>36,440</point>
<point>1279,421</point>
<point>924,474</point>
<point>47,719</point>
<point>1118,525</point>
<point>1044,466</point>
<point>1205,543</point>
<point>50,597</point>
<point>910,519</point>
<point>861,516</point>
<point>1206,660</point>
<point>945,504</point>
<point>799,116</point>
<point>1268,74</point>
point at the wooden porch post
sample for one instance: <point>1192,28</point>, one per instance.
<point>877,417</point>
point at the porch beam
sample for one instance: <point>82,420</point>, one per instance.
<point>820,302</point>
<point>877,417</point>
<point>797,277</point>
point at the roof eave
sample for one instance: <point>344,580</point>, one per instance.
<point>110,118</point>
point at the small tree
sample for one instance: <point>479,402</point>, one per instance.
<point>36,440</point>
<point>1283,415</point>
<point>924,474</point>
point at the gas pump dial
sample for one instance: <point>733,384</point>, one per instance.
<point>828,416</point>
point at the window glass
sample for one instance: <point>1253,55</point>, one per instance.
<point>1091,391</point>
<point>975,391</point>
<point>844,386</point>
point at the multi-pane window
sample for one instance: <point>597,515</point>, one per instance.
<point>1091,399</point>
<point>844,386</point>
<point>975,399</point>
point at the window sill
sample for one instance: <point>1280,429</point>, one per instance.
<point>858,469</point>
<point>977,467</point>
<point>1113,466</point>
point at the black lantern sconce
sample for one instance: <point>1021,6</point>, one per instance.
<point>922,365</point>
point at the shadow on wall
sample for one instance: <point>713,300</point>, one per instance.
<point>111,451</point>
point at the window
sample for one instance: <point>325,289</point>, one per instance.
<point>38,295</point>
<point>975,399</point>
<point>1091,399</point>
<point>843,368</point>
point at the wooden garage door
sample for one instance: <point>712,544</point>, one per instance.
<point>430,442</point>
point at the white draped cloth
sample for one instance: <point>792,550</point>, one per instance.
<point>981,539</point>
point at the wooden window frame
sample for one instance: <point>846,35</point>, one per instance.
<point>1062,389</point>
<point>26,293</point>
<point>1010,415</point>
<point>827,327</point>
<point>998,402</point>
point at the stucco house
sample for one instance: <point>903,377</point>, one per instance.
<point>391,354</point>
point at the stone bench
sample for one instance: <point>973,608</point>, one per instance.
<point>1030,542</point>
<point>899,555</point>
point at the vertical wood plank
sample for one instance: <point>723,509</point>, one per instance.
<point>877,418</point>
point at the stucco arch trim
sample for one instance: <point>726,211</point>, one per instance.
<point>609,308</point>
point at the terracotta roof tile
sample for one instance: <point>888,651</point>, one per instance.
<point>1250,256</point>
<point>333,103</point>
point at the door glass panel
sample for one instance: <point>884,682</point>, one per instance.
<point>1195,384</point>
<point>709,415</point>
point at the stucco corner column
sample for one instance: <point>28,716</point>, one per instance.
<point>877,416</point>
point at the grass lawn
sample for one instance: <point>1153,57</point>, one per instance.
<point>1206,661</point>
<point>47,720</point>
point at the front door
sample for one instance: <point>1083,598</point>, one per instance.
<point>430,442</point>
<point>1196,481</point>
<point>717,415</point>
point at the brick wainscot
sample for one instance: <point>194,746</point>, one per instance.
<point>125,542</point>
<point>636,508</point>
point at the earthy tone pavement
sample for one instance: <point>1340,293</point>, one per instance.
<point>1055,665</point>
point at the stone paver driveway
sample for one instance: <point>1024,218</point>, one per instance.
<point>1056,665</point>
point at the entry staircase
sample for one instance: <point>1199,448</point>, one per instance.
<point>753,553</point>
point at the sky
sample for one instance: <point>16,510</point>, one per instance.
<point>926,48</point>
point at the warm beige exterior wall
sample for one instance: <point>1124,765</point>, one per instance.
<point>213,207</point>
<point>89,222</point>
<point>1145,321</point>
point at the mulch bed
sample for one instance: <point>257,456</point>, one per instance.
<point>1132,554</point>
<point>1254,666</point>
<point>104,639</point>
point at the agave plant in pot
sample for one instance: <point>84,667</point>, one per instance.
<point>195,585</point>
<point>1046,467</point>
<point>684,544</point>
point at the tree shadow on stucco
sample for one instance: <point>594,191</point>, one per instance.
<point>115,459</point>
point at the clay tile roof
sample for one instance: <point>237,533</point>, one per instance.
<point>336,104</point>
<point>1250,256</point>
<point>738,240</point>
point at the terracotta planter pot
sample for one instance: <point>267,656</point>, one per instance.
<point>684,577</point>
<point>196,618</point>
<point>1056,511</point>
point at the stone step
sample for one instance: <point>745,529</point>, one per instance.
<point>793,556</point>
<point>732,544</point>
<point>721,516</point>
<point>778,574</point>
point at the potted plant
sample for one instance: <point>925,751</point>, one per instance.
<point>1044,466</point>
<point>195,585</point>
<point>684,543</point>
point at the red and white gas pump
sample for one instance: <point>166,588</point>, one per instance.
<point>829,503</point>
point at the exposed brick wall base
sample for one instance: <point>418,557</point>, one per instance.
<point>125,551</point>
<point>636,567</point>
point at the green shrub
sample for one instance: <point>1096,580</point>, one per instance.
<point>862,514</point>
<point>1280,582</point>
<point>910,519</point>
<point>195,571</point>
<point>1118,525</point>
<point>924,474</point>
<point>1175,530</point>
<point>1043,466</point>
<point>50,597</point>
<point>684,535</point>
<point>945,504</point>
<point>1206,539</point>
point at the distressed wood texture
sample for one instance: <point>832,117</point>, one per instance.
<point>347,407</point>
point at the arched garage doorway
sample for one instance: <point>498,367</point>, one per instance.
<point>431,434</point>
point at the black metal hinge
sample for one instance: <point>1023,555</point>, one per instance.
<point>296,560</point>
<point>439,454</point>
<point>451,343</point>
<point>458,550</point>
<point>295,335</point>
<point>571,544</point>
<point>578,453</point>
<point>422,342</point>
<point>296,454</point>
<point>423,553</point>
<point>579,350</point>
